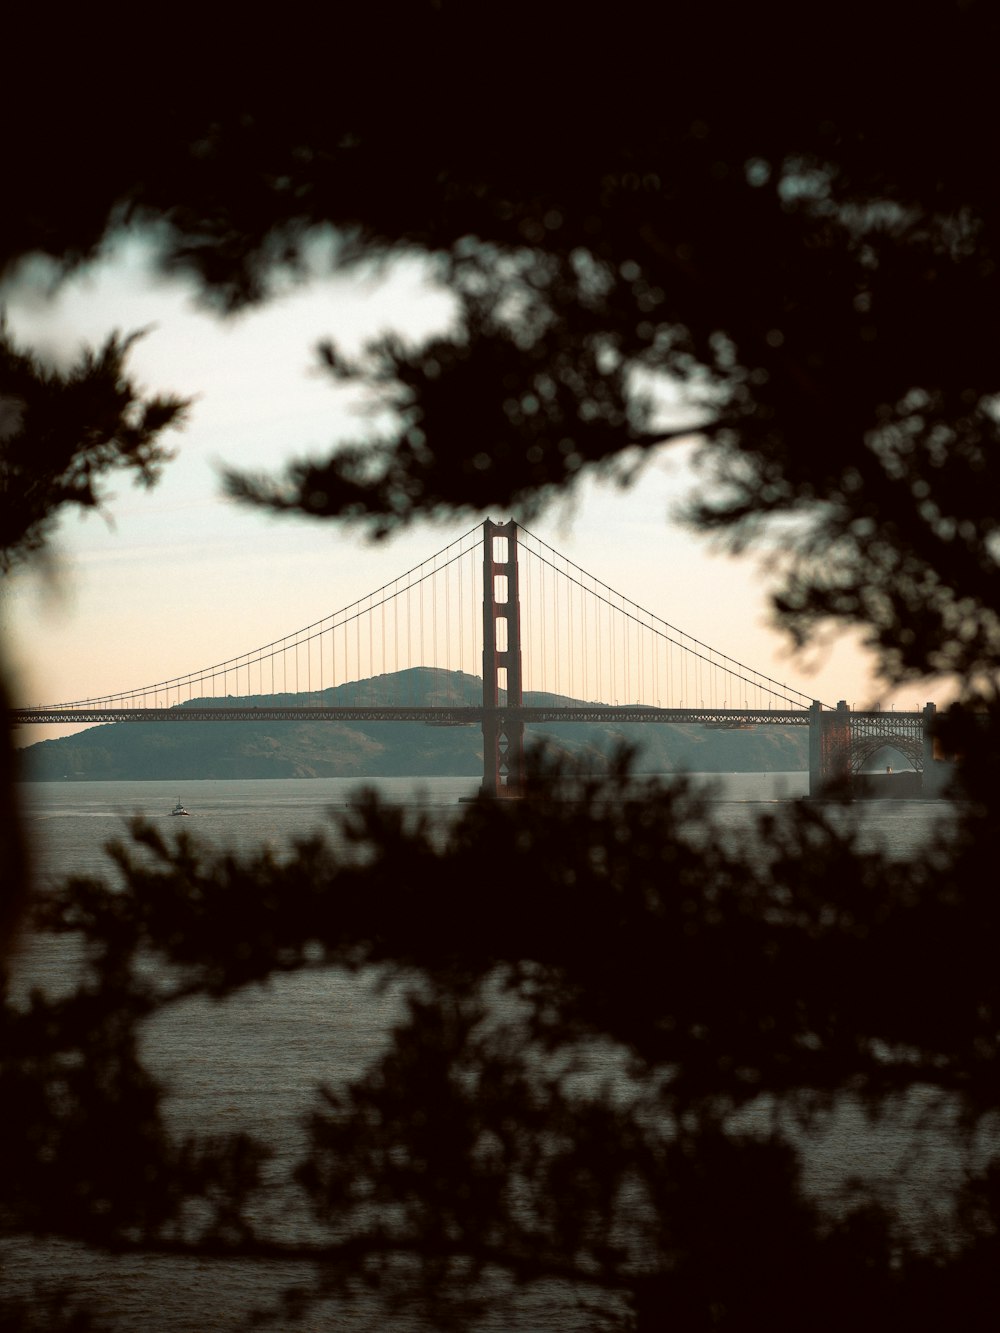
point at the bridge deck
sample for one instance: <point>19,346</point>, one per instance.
<point>455,715</point>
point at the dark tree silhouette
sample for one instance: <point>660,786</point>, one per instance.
<point>575,1091</point>
<point>801,232</point>
<point>63,430</point>
<point>561,1100</point>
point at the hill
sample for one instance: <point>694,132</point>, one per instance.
<point>135,751</point>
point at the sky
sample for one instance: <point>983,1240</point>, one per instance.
<point>177,577</point>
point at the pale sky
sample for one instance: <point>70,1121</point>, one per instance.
<point>181,578</point>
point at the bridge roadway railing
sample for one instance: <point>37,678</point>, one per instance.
<point>450,715</point>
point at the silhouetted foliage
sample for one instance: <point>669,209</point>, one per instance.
<point>610,1056</point>
<point>622,1036</point>
<point>62,431</point>
<point>803,240</point>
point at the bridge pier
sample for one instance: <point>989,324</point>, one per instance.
<point>937,770</point>
<point>503,737</point>
<point>829,748</point>
<point>840,741</point>
<point>815,749</point>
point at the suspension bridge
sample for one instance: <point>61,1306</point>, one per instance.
<point>517,634</point>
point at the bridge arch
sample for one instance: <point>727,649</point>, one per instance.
<point>842,741</point>
<point>879,730</point>
<point>864,749</point>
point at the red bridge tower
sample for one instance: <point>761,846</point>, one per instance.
<point>503,736</point>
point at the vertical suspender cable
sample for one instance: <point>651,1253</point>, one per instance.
<point>586,645</point>
<point>461,623</point>
<point>569,638</point>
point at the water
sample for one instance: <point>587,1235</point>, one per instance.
<point>253,1061</point>
<point>69,823</point>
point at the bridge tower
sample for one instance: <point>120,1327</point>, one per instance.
<point>503,738</point>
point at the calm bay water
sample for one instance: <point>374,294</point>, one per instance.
<point>254,1061</point>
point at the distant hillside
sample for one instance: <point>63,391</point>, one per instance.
<point>135,751</point>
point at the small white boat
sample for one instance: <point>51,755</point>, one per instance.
<point>179,809</point>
